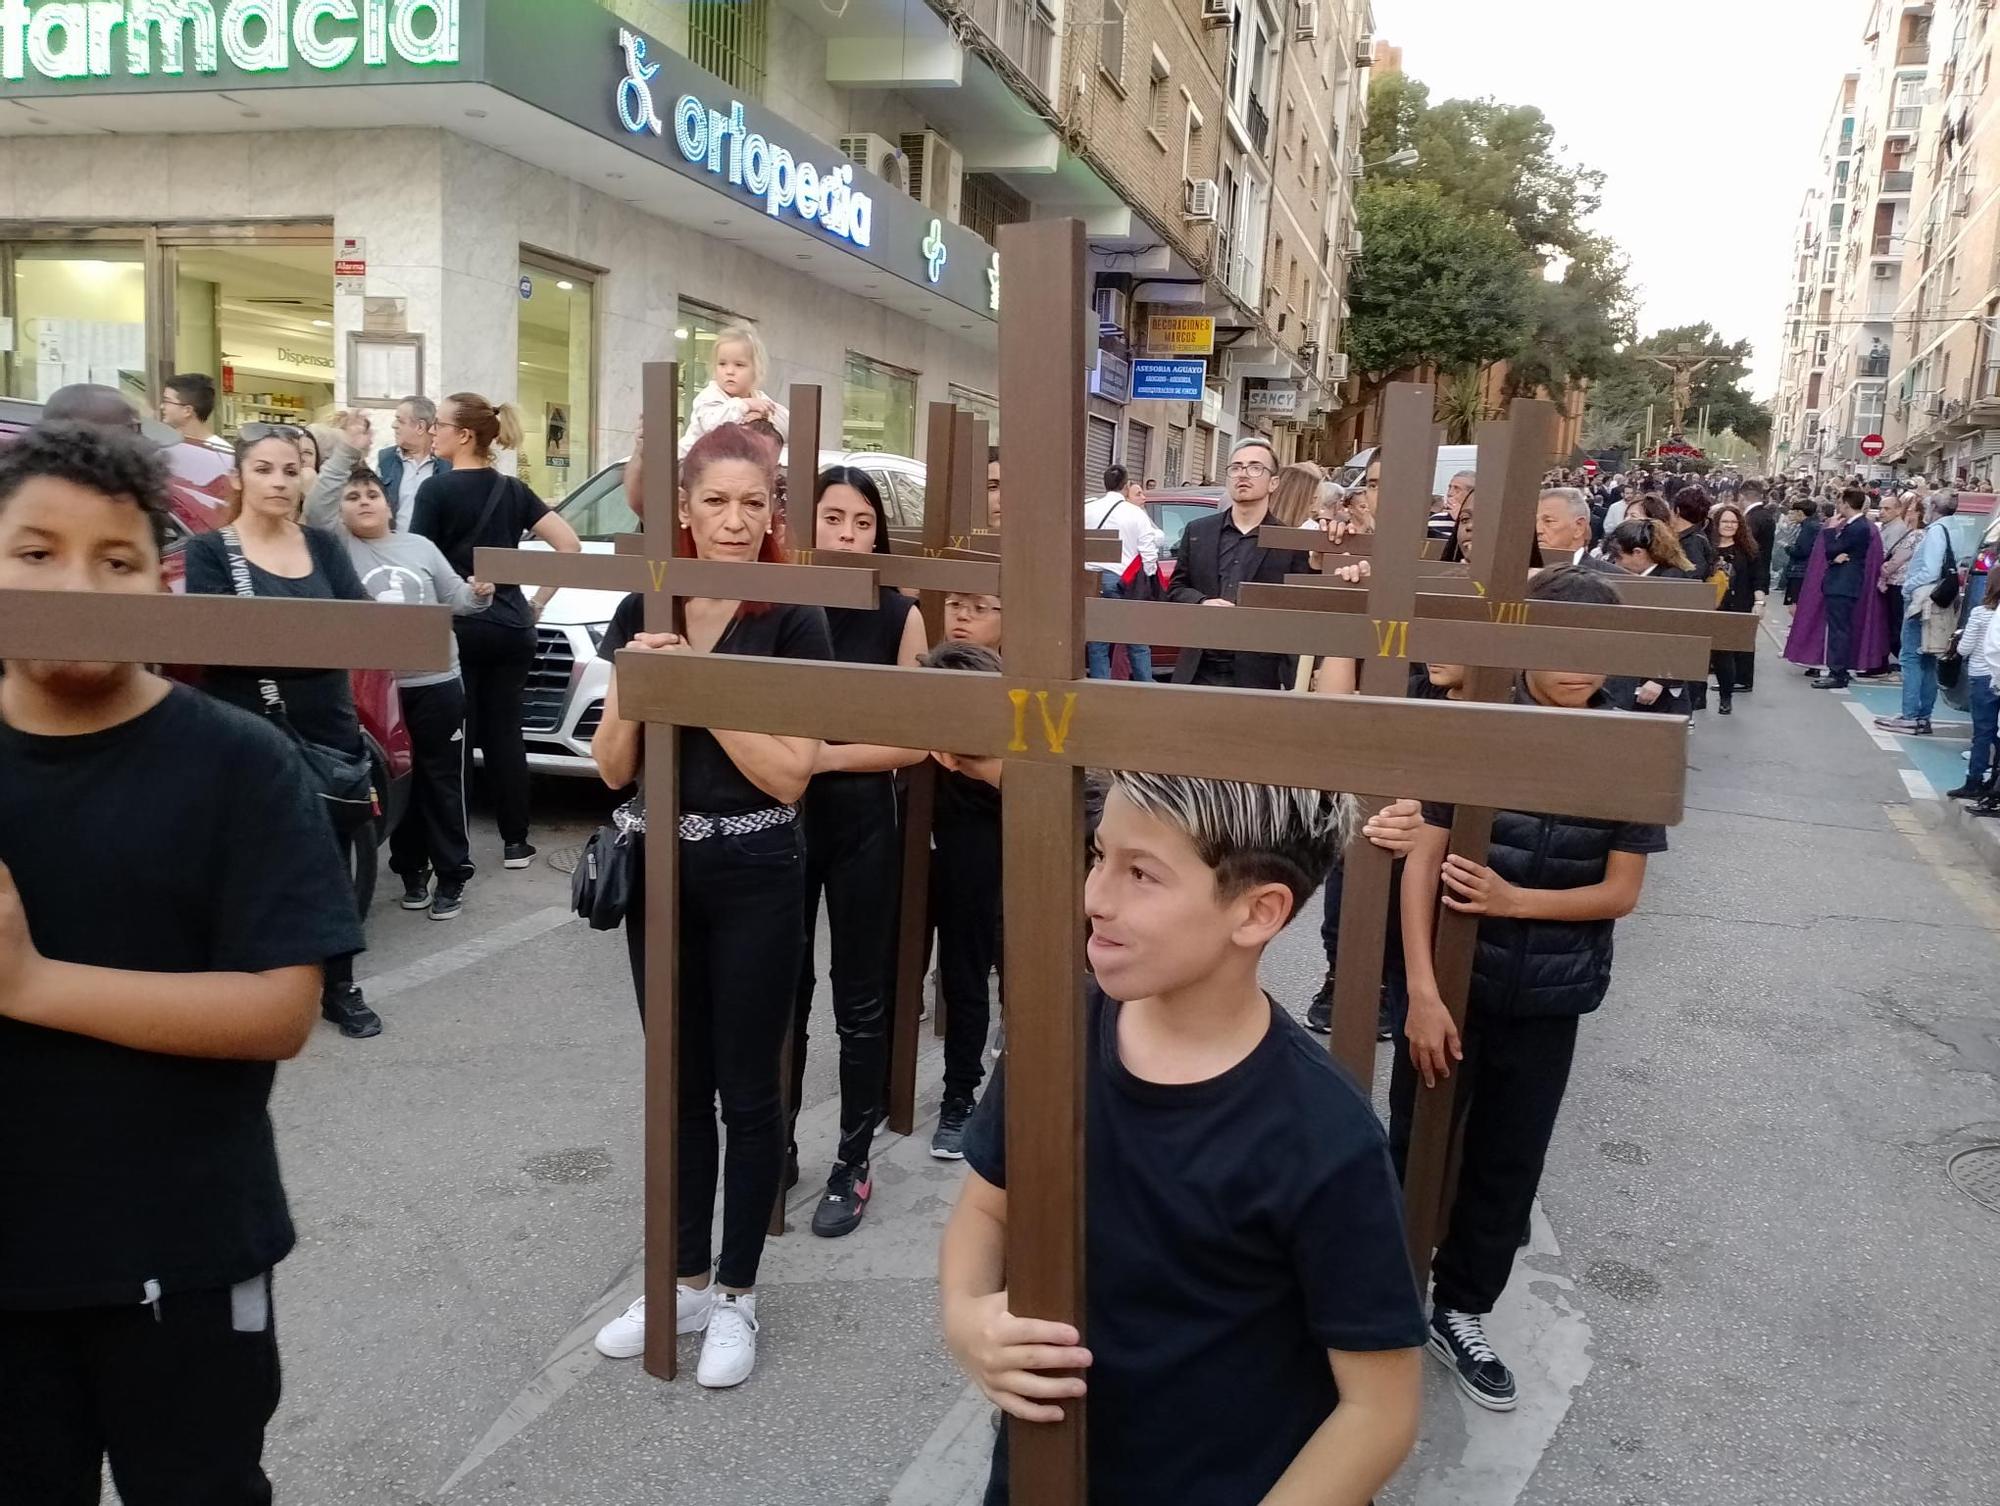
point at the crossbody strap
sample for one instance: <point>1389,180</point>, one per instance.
<point>239,577</point>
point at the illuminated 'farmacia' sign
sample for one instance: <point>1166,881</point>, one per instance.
<point>60,39</point>
<point>720,144</point>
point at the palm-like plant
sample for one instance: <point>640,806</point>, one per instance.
<point>1461,404</point>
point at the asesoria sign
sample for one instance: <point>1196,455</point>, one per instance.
<point>75,39</point>
<point>718,142</point>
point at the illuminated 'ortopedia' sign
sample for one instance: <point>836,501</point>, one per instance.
<point>70,39</point>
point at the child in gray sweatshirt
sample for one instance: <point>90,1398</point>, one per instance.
<point>349,499</point>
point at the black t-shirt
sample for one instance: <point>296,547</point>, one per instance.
<point>1236,1230</point>
<point>181,841</point>
<point>873,636</point>
<point>319,703</point>
<point>711,784</point>
<point>447,512</point>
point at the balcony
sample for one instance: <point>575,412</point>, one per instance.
<point>1913,54</point>
<point>1875,365</point>
<point>1906,118</point>
<point>1022,29</point>
<point>1898,184</point>
<point>1258,122</point>
<point>1886,245</point>
<point>1985,404</point>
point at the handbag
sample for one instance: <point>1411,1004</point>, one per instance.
<point>1950,667</point>
<point>343,781</point>
<point>1945,592</point>
<point>601,888</point>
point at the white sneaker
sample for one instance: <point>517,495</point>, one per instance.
<point>729,1353</point>
<point>624,1337</point>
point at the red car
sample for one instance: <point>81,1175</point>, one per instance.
<point>198,498</point>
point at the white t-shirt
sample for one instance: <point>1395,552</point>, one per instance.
<point>1136,533</point>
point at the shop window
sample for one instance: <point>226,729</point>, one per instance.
<point>555,366</point>
<point>982,406</point>
<point>728,38</point>
<point>878,407</point>
<point>260,319</point>
<point>78,314</point>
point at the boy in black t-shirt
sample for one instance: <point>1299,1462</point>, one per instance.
<point>168,893</point>
<point>1252,1322</point>
<point>1548,894</point>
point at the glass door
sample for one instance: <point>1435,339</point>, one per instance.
<point>258,318</point>
<point>73,311</point>
<point>556,362</point>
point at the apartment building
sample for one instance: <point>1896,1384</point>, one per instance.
<point>1945,394</point>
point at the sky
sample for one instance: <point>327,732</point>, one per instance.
<point>1705,110</point>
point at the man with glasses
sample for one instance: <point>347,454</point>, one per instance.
<point>188,406</point>
<point>1218,553</point>
<point>972,619</point>
<point>408,463</point>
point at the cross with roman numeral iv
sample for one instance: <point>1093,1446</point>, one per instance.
<point>1049,724</point>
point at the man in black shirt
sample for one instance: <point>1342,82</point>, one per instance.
<point>1252,1322</point>
<point>1217,554</point>
<point>168,893</point>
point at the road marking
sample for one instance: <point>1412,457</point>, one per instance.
<point>1886,741</point>
<point>1975,893</point>
<point>1919,787</point>
<point>468,953</point>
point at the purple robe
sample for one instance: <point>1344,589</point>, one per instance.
<point>1806,643</point>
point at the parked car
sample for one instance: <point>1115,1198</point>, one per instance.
<point>198,497</point>
<point>1451,459</point>
<point>567,686</point>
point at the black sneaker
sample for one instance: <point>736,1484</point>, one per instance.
<point>1923,727</point>
<point>791,1168</point>
<point>448,901</point>
<point>1319,1013</point>
<point>518,855</point>
<point>416,891</point>
<point>844,1201</point>
<point>948,1144</point>
<point>1830,682</point>
<point>344,1006</point>
<point>1459,1339</point>
<point>1385,1028</point>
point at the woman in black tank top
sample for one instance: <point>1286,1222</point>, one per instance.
<point>854,855</point>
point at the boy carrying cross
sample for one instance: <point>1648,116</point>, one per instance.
<point>1253,1323</point>
<point>169,891</point>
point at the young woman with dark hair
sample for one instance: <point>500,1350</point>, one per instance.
<point>1735,556</point>
<point>1646,546</point>
<point>286,559</point>
<point>854,856</point>
<point>469,506</point>
<point>742,865</point>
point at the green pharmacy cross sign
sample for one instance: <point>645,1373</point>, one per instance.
<point>81,39</point>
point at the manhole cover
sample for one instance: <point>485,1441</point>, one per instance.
<point>565,859</point>
<point>1975,1171</point>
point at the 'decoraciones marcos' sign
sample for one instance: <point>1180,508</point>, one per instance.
<point>102,39</point>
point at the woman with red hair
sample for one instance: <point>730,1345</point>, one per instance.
<point>743,873</point>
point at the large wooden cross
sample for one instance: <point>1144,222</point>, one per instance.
<point>1049,724</point>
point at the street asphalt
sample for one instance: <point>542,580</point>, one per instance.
<point>1751,1280</point>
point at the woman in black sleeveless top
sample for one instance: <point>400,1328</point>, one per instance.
<point>854,854</point>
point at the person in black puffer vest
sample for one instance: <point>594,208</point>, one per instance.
<point>1548,894</point>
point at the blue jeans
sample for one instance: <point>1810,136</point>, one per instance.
<point>1920,687</point>
<point>1985,703</point>
<point>1097,656</point>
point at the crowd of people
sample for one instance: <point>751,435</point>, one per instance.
<point>148,1284</point>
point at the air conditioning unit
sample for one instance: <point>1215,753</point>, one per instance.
<point>1305,23</point>
<point>1354,243</point>
<point>878,155</point>
<point>1199,198</point>
<point>1354,165</point>
<point>1336,366</point>
<point>1884,273</point>
<point>1364,52</point>
<point>937,173</point>
<point>1215,12</point>
<point>1114,311</point>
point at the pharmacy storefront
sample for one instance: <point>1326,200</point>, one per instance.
<point>332,203</point>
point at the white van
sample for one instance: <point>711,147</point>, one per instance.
<point>566,687</point>
<point>1452,458</point>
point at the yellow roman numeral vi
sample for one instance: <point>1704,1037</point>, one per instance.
<point>1392,638</point>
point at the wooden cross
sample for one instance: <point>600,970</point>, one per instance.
<point>1048,723</point>
<point>222,631</point>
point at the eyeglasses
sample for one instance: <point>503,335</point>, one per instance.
<point>978,611</point>
<point>1249,468</point>
<point>253,433</point>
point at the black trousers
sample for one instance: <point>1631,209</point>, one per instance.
<point>339,971</point>
<point>1839,635</point>
<point>1733,671</point>
<point>494,660</point>
<point>965,899</point>
<point>739,968</point>
<point>178,1397</point>
<point>431,836</point>
<point>1510,1088</point>
<point>854,855</point>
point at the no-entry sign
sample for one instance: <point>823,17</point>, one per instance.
<point>1872,446</point>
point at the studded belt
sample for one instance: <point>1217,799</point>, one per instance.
<point>699,828</point>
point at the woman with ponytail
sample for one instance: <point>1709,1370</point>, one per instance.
<point>471,506</point>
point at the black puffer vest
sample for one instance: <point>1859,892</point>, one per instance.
<point>1544,967</point>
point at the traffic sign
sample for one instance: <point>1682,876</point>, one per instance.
<point>1589,466</point>
<point>1872,446</point>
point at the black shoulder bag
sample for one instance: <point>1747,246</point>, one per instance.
<point>343,781</point>
<point>1945,592</point>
